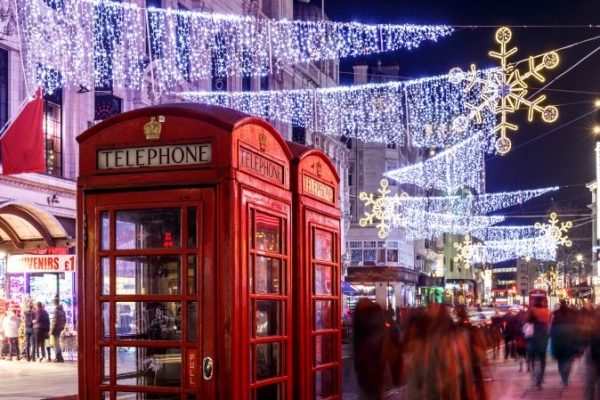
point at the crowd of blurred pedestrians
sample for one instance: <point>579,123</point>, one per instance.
<point>441,352</point>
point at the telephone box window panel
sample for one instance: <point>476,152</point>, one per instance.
<point>148,275</point>
<point>323,245</point>
<point>148,229</point>
<point>267,275</point>
<point>267,232</point>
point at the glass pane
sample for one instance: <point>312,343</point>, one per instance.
<point>270,392</point>
<point>268,360</point>
<point>323,245</point>
<point>192,228</point>
<point>105,329</point>
<point>191,274</point>
<point>148,275</point>
<point>105,360</point>
<point>192,321</point>
<point>268,318</point>
<point>323,314</point>
<point>149,366</point>
<point>322,280</point>
<point>268,232</point>
<point>324,380</point>
<point>148,321</point>
<point>104,231</point>
<point>105,395</point>
<point>324,349</point>
<point>147,396</point>
<point>148,229</point>
<point>268,275</point>
<point>105,268</point>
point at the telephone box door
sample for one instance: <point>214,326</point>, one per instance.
<point>149,284</point>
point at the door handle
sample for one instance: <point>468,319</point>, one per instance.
<point>207,368</point>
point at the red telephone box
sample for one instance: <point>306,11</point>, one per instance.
<point>317,261</point>
<point>185,220</point>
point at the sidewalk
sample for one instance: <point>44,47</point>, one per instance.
<point>21,380</point>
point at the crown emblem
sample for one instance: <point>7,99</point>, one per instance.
<point>318,168</point>
<point>152,129</point>
<point>262,140</point>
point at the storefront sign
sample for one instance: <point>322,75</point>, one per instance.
<point>40,263</point>
<point>261,165</point>
<point>318,189</point>
<point>157,156</point>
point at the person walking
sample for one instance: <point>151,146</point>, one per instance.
<point>510,329</point>
<point>562,339</point>
<point>540,317</point>
<point>57,325</point>
<point>41,328</point>
<point>28,317</point>
<point>10,325</point>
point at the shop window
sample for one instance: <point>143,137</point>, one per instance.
<point>53,132</point>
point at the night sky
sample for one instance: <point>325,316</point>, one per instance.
<point>559,154</point>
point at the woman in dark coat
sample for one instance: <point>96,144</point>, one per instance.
<point>41,327</point>
<point>376,346</point>
<point>562,336</point>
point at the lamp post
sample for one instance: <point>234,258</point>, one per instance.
<point>579,258</point>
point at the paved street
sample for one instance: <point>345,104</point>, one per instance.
<point>34,381</point>
<point>505,382</point>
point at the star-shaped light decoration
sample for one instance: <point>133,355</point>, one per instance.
<point>465,251</point>
<point>506,91</point>
<point>383,209</point>
<point>554,232</point>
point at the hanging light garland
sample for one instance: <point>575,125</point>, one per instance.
<point>497,251</point>
<point>91,42</point>
<point>473,204</point>
<point>372,113</point>
<point>461,166</point>
<point>427,225</point>
<point>507,90</point>
<point>506,233</point>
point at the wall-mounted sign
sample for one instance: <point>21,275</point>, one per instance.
<point>40,263</point>
<point>156,156</point>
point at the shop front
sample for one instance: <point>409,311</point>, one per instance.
<point>42,278</point>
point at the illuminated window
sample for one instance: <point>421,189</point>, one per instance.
<point>53,132</point>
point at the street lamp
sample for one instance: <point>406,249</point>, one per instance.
<point>579,258</point>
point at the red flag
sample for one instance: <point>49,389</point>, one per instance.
<point>23,148</point>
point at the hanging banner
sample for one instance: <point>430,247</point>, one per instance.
<point>40,263</point>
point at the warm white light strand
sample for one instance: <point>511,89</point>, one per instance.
<point>461,166</point>
<point>88,42</point>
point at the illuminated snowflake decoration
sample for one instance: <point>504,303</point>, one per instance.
<point>554,232</point>
<point>466,252</point>
<point>383,209</point>
<point>506,91</point>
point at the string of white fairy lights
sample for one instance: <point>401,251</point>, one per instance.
<point>460,166</point>
<point>96,42</point>
<point>380,113</point>
<point>472,204</point>
<point>539,241</point>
